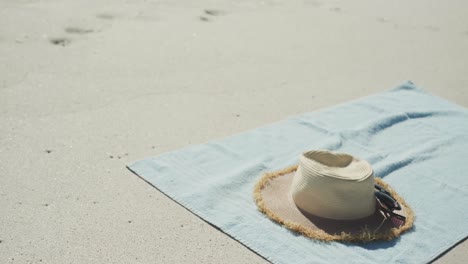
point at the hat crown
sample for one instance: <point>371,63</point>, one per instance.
<point>334,185</point>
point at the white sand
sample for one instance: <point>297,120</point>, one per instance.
<point>138,78</point>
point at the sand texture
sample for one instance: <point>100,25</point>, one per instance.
<point>88,86</point>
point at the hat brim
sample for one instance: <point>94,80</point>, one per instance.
<point>272,197</point>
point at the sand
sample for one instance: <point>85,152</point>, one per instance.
<point>89,86</point>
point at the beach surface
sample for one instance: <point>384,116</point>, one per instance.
<point>87,86</point>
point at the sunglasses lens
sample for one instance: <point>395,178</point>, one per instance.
<point>381,189</point>
<point>388,201</point>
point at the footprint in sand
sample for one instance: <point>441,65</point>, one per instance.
<point>212,13</point>
<point>77,30</point>
<point>70,30</point>
<point>60,41</point>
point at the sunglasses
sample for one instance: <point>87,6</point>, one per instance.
<point>389,204</point>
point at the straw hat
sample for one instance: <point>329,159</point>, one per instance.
<point>333,196</point>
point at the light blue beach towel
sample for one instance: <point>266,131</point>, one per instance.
<point>416,141</point>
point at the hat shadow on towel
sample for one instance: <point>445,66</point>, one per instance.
<point>373,222</point>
